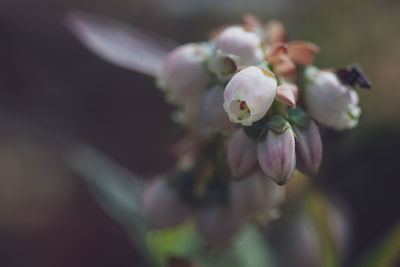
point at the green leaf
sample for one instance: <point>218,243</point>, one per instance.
<point>181,241</point>
<point>276,123</point>
<point>254,130</point>
<point>298,117</point>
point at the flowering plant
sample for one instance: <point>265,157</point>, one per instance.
<point>251,103</point>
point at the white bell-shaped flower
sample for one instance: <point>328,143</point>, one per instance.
<point>249,95</point>
<point>329,101</point>
<point>184,71</point>
<point>244,44</point>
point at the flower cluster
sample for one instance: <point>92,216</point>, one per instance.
<point>252,103</point>
<point>250,75</point>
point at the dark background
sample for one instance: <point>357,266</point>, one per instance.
<point>52,88</point>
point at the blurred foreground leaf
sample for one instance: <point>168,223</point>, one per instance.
<point>317,208</point>
<point>115,189</point>
<point>119,193</point>
<point>119,43</point>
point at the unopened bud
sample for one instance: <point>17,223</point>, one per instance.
<point>308,148</point>
<point>239,42</point>
<point>276,155</point>
<point>162,206</point>
<point>249,95</point>
<point>287,93</point>
<point>255,195</point>
<point>212,112</point>
<point>184,70</point>
<point>242,154</point>
<point>217,225</point>
<point>275,32</point>
<point>284,66</point>
<point>251,23</point>
<point>189,113</point>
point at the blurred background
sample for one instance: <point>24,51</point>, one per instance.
<point>52,90</point>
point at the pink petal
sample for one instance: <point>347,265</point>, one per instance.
<point>284,66</point>
<point>275,51</point>
<point>302,52</point>
<point>287,94</point>
<point>275,32</point>
<point>251,22</point>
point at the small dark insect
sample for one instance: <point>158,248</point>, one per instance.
<point>353,75</point>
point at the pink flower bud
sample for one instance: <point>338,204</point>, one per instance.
<point>242,154</point>
<point>275,32</point>
<point>329,101</point>
<point>217,225</point>
<point>190,111</point>
<point>308,148</point>
<point>161,205</point>
<point>249,95</point>
<point>251,23</point>
<point>244,44</point>
<point>287,93</point>
<point>184,71</point>
<point>276,155</point>
<point>284,66</point>
<point>212,112</point>
<point>255,195</point>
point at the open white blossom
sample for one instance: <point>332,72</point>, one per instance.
<point>330,102</point>
<point>249,95</point>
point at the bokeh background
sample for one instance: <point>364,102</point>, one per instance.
<point>52,90</point>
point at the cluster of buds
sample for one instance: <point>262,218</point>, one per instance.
<point>256,99</point>
<point>263,92</point>
<point>252,103</point>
